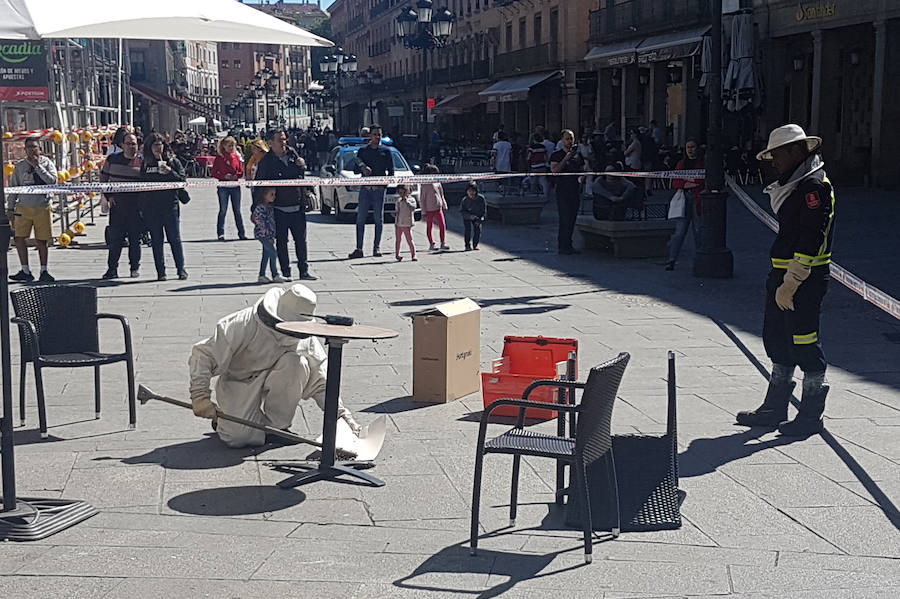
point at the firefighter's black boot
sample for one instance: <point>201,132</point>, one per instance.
<point>812,405</point>
<point>773,410</point>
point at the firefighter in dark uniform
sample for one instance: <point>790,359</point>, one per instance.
<point>803,200</point>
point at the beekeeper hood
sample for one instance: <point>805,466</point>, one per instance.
<point>297,302</point>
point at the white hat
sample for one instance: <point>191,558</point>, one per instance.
<point>297,302</point>
<point>788,134</point>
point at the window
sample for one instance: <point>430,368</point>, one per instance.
<point>224,64</point>
<point>509,37</point>
<point>138,67</point>
<point>235,46</point>
<point>523,27</point>
<point>237,64</point>
<point>538,24</point>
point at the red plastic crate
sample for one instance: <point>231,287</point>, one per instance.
<point>525,360</point>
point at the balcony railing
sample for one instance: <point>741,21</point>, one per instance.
<point>355,23</point>
<point>479,69</point>
<point>379,9</point>
<point>536,58</point>
<point>620,20</point>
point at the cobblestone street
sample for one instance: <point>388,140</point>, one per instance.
<point>183,516</point>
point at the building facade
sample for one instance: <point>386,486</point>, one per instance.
<point>832,67</point>
<point>514,62</point>
<point>202,74</point>
<point>173,82</point>
<point>255,75</point>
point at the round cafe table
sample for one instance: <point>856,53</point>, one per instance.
<point>336,336</point>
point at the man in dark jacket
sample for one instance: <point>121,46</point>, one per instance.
<point>283,162</point>
<point>803,200</point>
<point>124,211</point>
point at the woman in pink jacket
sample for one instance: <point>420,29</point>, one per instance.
<point>228,166</point>
<point>433,205</point>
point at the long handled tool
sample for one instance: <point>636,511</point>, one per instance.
<point>365,448</point>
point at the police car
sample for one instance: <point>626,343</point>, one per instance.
<point>342,200</point>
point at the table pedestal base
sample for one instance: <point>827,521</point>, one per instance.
<point>332,472</point>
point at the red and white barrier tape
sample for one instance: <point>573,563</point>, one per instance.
<point>123,187</point>
<point>849,280</point>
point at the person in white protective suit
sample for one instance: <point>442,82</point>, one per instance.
<point>263,374</point>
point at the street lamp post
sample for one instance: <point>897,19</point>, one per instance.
<point>338,66</point>
<point>424,29</point>
<point>370,80</point>
<point>714,260</point>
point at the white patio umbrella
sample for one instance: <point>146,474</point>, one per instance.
<point>200,120</point>
<point>209,20</point>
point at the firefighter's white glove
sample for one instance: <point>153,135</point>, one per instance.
<point>201,403</point>
<point>795,275</point>
<point>353,424</point>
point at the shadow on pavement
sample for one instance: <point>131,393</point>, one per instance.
<point>218,286</point>
<point>396,405</point>
<point>202,454</point>
<point>236,501</point>
<point>515,567</point>
<point>706,455</point>
<point>880,497</point>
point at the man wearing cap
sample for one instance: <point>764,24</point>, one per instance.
<point>803,200</point>
<point>263,374</point>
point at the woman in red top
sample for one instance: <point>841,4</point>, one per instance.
<point>228,166</point>
<point>692,189</point>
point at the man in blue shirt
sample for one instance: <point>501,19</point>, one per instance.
<point>374,160</point>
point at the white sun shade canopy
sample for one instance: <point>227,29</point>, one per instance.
<point>209,20</point>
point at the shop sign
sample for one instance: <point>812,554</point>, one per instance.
<point>23,71</point>
<point>395,111</point>
<point>415,106</point>
<point>812,12</point>
<point>621,60</point>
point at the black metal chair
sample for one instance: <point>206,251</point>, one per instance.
<point>592,441</point>
<point>58,328</point>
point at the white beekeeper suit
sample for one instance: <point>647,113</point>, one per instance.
<point>263,374</point>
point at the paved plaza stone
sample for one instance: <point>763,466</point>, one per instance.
<point>183,516</point>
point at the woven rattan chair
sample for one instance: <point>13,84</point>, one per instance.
<point>592,441</point>
<point>58,328</point>
<point>647,470</point>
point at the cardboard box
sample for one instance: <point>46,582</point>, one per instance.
<point>447,352</point>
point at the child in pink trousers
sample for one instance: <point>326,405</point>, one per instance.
<point>433,205</point>
<point>404,218</point>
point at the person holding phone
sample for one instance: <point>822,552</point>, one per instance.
<point>565,163</point>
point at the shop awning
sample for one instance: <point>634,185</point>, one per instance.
<point>456,104</point>
<point>161,98</point>
<point>669,46</point>
<point>515,88</point>
<point>619,54</point>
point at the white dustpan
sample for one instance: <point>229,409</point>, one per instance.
<point>367,445</point>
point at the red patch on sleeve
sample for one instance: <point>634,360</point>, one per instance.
<point>812,200</point>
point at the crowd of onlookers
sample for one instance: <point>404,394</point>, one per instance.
<point>558,166</point>
<point>279,213</point>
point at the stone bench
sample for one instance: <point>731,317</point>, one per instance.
<point>626,238</point>
<point>515,209</point>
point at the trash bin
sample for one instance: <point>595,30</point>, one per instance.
<point>523,361</point>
